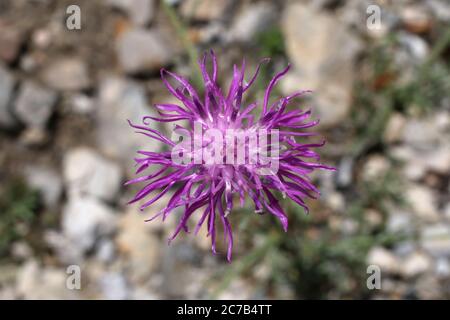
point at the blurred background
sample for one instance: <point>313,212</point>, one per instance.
<point>381,91</point>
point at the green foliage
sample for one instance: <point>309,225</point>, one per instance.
<point>17,207</point>
<point>271,42</point>
<point>316,260</point>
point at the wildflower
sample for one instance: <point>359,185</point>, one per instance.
<point>208,187</point>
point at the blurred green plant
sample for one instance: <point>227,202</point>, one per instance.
<point>18,205</point>
<point>316,259</point>
<point>271,42</point>
<point>181,30</point>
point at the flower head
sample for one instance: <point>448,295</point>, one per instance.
<point>227,152</point>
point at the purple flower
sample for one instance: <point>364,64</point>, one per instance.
<point>226,152</point>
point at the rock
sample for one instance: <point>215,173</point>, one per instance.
<point>438,160</point>
<point>141,12</point>
<point>418,162</point>
<point>140,293</point>
<point>345,172</point>
<point>442,268</point>
<point>416,47</point>
<point>375,167</point>
<point>118,101</point>
<point>11,40</point>
<point>421,134</point>
<point>436,240</point>
<point>447,210</point>
<point>34,136</point>
<point>42,38</point>
<point>384,259</point>
<point>81,104</point>
<point>394,128</point>
<point>404,248</point>
<point>140,246</point>
<point>85,219</point>
<point>399,221</point>
<point>428,287</point>
<point>323,62</point>
<point>105,251</point>
<point>252,20</point>
<point>335,201</point>
<point>373,217</point>
<point>21,250</point>
<point>6,90</point>
<point>440,9</point>
<point>182,275</point>
<point>415,264</point>
<point>63,247</point>
<point>140,50</point>
<point>423,201</point>
<point>48,183</point>
<point>67,74</point>
<point>34,104</point>
<point>113,286</point>
<point>39,283</point>
<point>417,19</point>
<point>87,172</point>
<point>204,10</point>
<point>238,289</point>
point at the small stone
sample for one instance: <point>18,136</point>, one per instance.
<point>447,210</point>
<point>140,50</point>
<point>118,101</point>
<point>375,167</point>
<point>400,221</point>
<point>436,240</point>
<point>43,283</point>
<point>345,172</point>
<point>6,89</point>
<point>442,268</point>
<point>373,217</point>
<point>403,249</point>
<point>415,46</point>
<point>82,104</point>
<point>252,20</point>
<point>394,128</point>
<point>323,63</point>
<point>34,104</point>
<point>140,293</point>
<point>63,247</point>
<point>113,286</point>
<point>47,181</point>
<point>335,201</point>
<point>417,19</point>
<point>238,289</point>
<point>136,241</point>
<point>428,288</point>
<point>438,160</point>
<point>384,259</point>
<point>42,38</point>
<point>415,264</point>
<point>87,172</point>
<point>105,251</point>
<point>421,134</point>
<point>440,9</point>
<point>21,250</point>
<point>11,40</point>
<point>34,136</point>
<point>423,201</point>
<point>141,12</point>
<point>204,10</point>
<point>84,219</point>
<point>66,74</point>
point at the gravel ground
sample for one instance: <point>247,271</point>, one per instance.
<point>66,149</point>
